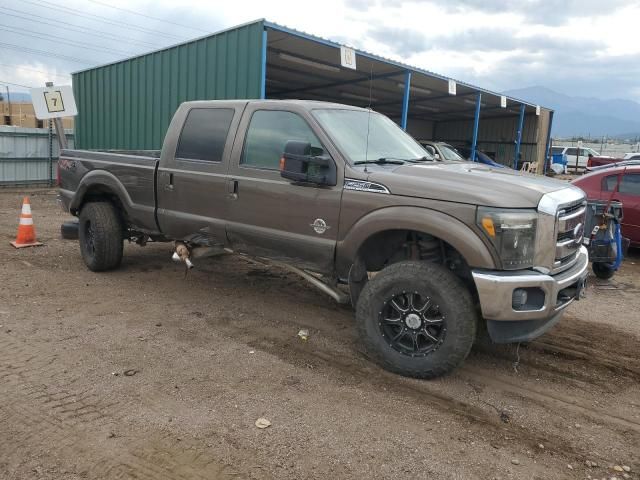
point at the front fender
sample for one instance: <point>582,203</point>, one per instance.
<point>432,222</point>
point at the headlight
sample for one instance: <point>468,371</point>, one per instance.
<point>512,232</point>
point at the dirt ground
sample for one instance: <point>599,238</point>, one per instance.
<point>142,373</point>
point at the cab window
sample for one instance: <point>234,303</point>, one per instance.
<point>204,134</point>
<point>268,133</point>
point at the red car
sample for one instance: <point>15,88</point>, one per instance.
<point>600,184</point>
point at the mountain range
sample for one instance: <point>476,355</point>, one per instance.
<point>584,116</point>
<point>16,96</point>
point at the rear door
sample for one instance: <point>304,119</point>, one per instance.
<point>572,153</point>
<point>192,177</point>
<point>269,215</point>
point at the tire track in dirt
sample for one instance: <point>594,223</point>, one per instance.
<point>54,418</point>
<point>499,382</point>
<point>337,365</point>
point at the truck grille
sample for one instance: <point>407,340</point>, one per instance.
<point>569,231</point>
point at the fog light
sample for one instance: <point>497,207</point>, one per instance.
<point>519,298</point>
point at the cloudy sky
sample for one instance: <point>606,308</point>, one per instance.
<point>576,47</point>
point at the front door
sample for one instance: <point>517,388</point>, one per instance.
<point>629,194</point>
<point>192,182</point>
<point>274,217</point>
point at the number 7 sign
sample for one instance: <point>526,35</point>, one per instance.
<point>53,102</point>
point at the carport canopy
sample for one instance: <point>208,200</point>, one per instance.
<point>297,65</point>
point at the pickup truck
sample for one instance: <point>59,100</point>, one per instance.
<point>426,252</point>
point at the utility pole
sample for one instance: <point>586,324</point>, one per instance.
<point>9,102</point>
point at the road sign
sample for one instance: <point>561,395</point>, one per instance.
<point>348,57</point>
<point>53,102</point>
<point>503,101</point>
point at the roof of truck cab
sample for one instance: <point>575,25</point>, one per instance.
<point>308,104</point>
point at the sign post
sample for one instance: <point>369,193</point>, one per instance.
<point>54,103</point>
<point>578,153</point>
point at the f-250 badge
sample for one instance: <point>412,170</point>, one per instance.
<point>319,226</point>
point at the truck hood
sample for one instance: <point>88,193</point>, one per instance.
<point>466,183</point>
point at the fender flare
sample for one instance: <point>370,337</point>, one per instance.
<point>104,180</point>
<point>445,227</point>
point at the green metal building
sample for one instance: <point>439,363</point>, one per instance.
<point>129,104</point>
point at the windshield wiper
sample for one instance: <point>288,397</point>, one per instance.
<point>381,161</point>
<point>422,159</point>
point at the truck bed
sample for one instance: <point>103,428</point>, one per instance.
<point>130,170</point>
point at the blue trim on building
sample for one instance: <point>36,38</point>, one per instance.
<point>519,137</point>
<point>476,125</point>
<point>405,99</point>
<point>548,147</point>
<point>263,66</point>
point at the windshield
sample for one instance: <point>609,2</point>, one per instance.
<point>450,153</point>
<point>348,128</point>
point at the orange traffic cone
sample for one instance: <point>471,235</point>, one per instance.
<point>26,233</point>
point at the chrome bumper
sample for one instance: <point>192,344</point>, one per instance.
<point>495,289</point>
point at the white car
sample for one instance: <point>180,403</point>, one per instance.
<point>631,156</point>
<point>583,154</point>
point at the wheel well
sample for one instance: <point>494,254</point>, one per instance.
<point>392,246</point>
<point>101,193</point>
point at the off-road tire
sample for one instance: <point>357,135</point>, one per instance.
<point>453,299</point>
<point>101,236</point>
<point>603,270</point>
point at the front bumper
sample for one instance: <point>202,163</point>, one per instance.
<point>506,324</point>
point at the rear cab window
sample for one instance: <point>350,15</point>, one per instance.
<point>204,134</point>
<point>268,133</point>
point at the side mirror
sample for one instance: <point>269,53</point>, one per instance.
<point>298,164</point>
<point>436,156</point>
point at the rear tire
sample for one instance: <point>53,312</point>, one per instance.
<point>603,270</point>
<point>417,319</point>
<point>101,236</point>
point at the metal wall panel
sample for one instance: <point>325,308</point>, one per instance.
<point>496,135</point>
<point>129,104</point>
<point>24,155</point>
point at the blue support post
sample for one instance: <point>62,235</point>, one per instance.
<point>405,99</point>
<point>263,66</point>
<point>519,136</point>
<point>548,147</point>
<point>476,124</point>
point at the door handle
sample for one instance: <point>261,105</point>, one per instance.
<point>232,189</point>
<point>169,186</point>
